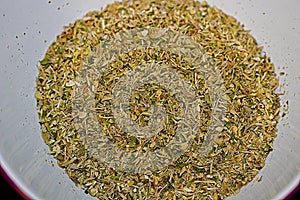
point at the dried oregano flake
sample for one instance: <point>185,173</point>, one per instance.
<point>249,78</point>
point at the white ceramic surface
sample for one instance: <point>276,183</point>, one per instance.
<point>28,27</point>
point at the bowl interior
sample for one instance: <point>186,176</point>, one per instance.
<point>29,27</point>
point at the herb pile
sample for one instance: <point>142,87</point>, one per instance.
<point>250,124</point>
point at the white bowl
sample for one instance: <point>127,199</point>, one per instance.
<point>28,27</point>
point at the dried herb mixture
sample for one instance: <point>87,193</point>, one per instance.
<point>249,78</point>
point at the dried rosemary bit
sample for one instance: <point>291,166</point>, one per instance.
<point>250,123</point>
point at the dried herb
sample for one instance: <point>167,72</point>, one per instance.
<point>249,78</point>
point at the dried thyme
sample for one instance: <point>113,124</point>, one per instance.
<point>249,78</point>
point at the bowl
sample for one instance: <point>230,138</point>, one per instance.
<point>29,27</point>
